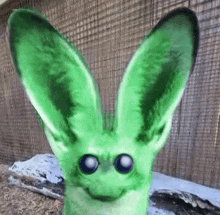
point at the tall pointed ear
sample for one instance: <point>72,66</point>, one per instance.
<point>55,77</point>
<point>155,78</point>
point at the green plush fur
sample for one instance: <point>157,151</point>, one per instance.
<point>115,177</point>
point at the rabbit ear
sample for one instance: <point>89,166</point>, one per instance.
<point>155,78</point>
<point>55,76</point>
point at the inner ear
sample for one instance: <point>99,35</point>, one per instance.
<point>160,130</point>
<point>147,136</point>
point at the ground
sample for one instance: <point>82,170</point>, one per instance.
<point>18,201</point>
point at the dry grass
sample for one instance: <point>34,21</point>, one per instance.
<point>18,201</point>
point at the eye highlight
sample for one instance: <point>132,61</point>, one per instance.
<point>123,163</point>
<point>88,164</point>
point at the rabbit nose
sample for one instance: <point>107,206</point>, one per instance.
<point>104,197</point>
<point>105,191</point>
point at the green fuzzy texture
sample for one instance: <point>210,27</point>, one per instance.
<point>106,158</point>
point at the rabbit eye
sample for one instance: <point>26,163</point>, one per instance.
<point>123,163</point>
<point>88,164</point>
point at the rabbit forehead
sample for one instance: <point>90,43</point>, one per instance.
<point>109,146</point>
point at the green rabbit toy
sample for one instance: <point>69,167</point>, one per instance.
<point>106,172</point>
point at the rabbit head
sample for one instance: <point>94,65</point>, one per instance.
<point>105,171</point>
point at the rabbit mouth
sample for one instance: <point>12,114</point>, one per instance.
<point>103,198</point>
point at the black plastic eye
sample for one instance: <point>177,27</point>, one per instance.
<point>123,163</point>
<point>88,164</point>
